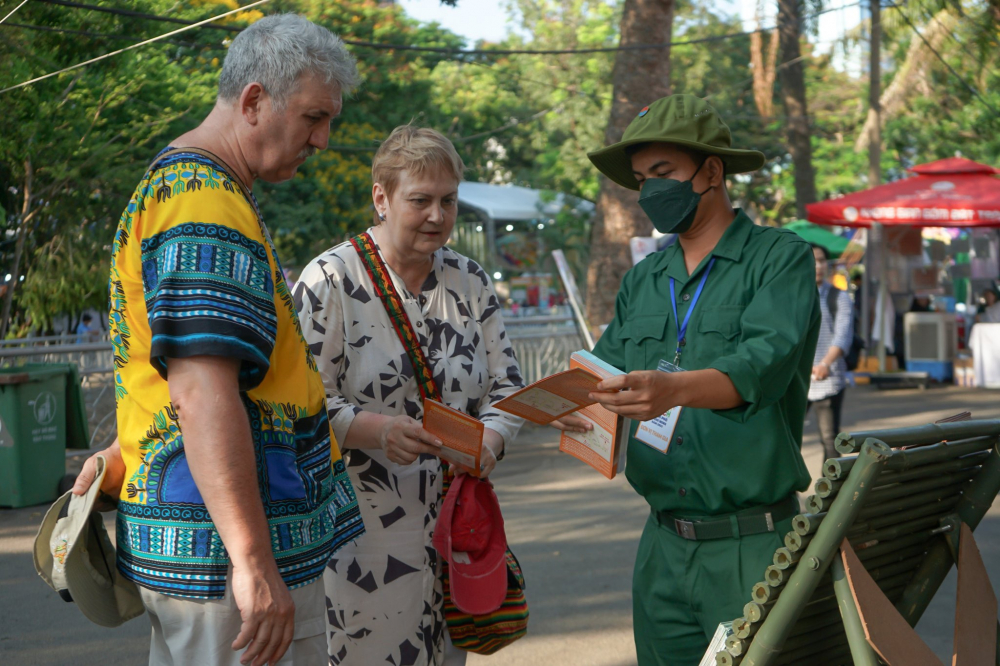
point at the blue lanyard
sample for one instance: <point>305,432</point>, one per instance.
<point>683,326</point>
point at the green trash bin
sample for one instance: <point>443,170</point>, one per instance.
<point>33,422</point>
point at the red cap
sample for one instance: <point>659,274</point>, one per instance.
<point>470,536</point>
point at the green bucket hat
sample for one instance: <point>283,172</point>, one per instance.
<point>684,120</point>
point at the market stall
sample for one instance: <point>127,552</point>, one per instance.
<point>955,194</point>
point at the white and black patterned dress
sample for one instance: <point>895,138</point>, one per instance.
<point>383,594</point>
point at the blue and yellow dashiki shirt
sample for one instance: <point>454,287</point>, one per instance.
<point>193,272</point>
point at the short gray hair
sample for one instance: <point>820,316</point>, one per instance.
<point>276,50</point>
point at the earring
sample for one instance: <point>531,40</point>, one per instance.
<point>381,217</point>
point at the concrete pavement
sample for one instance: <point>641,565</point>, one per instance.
<point>574,532</point>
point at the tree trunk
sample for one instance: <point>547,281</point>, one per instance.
<point>910,74</point>
<point>793,93</point>
<point>22,233</point>
<point>763,72</point>
<point>641,77</point>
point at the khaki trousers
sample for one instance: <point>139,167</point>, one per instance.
<point>197,632</point>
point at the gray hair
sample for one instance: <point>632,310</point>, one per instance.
<point>276,50</point>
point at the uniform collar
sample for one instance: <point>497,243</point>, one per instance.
<point>730,247</point>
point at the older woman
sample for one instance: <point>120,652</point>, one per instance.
<point>383,592</point>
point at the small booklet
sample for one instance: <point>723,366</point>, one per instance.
<point>461,435</point>
<point>718,643</point>
<point>553,397</point>
<point>604,448</point>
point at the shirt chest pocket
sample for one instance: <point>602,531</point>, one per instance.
<point>720,330</point>
<point>644,338</point>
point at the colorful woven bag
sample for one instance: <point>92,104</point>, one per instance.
<point>482,634</point>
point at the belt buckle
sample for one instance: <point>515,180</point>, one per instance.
<point>770,521</point>
<point>685,529</point>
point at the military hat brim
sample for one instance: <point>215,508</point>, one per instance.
<point>614,162</point>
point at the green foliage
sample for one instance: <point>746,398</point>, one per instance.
<point>88,134</point>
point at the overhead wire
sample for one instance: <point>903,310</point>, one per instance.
<point>101,35</point>
<point>951,69</point>
<point>463,52</point>
<point>13,10</point>
<point>133,46</point>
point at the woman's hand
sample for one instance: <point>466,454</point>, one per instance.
<point>403,439</point>
<point>114,477</point>
<point>571,423</point>
<point>492,446</point>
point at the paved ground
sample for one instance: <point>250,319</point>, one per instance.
<point>574,532</point>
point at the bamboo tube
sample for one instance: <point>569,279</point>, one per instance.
<point>806,640</point>
<point>744,628</point>
<point>826,487</point>
<point>897,531</point>
<point>756,612</point>
<point>726,659</point>
<point>911,488</point>
<point>894,544</point>
<point>895,556</point>
<point>806,576</point>
<point>838,468</point>
<point>930,497</point>
<point>776,577</point>
<point>805,524</point>
<point>785,558</point>
<point>762,593</point>
<point>932,433</point>
<point>965,462</point>
<point>939,509</point>
<point>736,646</point>
<point>796,542</point>
<point>905,460</point>
<point>975,502</point>
<point>799,655</point>
<point>861,652</point>
<point>816,504</point>
<point>810,624</point>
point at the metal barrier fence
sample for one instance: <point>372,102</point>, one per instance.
<point>542,345</point>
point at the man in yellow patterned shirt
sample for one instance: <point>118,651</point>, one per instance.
<point>233,492</point>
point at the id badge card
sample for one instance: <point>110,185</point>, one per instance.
<point>658,432</point>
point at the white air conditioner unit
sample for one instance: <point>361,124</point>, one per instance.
<point>930,336</point>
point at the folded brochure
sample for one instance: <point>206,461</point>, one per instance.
<point>604,446</point>
<point>461,435</point>
<point>553,397</point>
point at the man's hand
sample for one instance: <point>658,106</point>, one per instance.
<point>114,477</point>
<point>641,394</point>
<point>820,371</point>
<point>572,423</point>
<point>267,611</point>
<point>403,439</point>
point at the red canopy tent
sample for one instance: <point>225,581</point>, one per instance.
<point>953,192</point>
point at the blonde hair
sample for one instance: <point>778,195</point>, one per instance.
<point>415,150</point>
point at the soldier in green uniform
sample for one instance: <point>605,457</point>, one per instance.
<point>733,306</point>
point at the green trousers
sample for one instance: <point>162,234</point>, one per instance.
<point>683,589</point>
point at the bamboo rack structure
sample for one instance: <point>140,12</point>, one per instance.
<point>896,496</point>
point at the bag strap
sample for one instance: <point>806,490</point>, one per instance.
<point>832,296</point>
<point>386,290</point>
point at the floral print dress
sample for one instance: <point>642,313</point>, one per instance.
<point>384,596</point>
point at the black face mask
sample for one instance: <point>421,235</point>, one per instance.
<point>671,204</point>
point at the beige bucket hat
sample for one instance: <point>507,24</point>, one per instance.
<point>75,557</point>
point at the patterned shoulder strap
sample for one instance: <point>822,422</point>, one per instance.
<point>386,290</point>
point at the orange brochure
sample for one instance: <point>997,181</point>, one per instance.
<point>604,447</point>
<point>553,397</point>
<point>460,434</point>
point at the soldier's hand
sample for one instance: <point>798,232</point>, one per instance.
<point>114,477</point>
<point>572,423</point>
<point>641,394</point>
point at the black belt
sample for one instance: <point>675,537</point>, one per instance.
<point>756,520</point>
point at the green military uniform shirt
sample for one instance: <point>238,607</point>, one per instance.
<point>756,321</point>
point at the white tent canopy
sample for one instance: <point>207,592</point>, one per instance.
<point>511,202</point>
